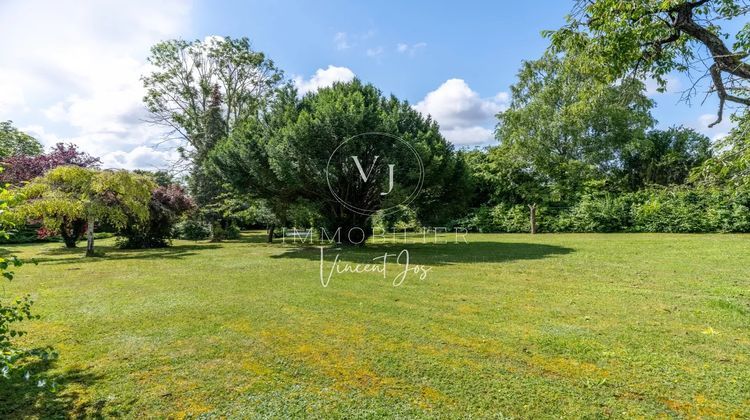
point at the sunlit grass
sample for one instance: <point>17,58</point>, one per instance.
<point>514,325</point>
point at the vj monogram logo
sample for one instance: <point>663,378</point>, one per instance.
<point>365,177</point>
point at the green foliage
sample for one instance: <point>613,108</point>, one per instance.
<point>559,136</point>
<point>73,193</point>
<point>595,213</point>
<point>220,233</point>
<point>193,230</point>
<point>167,205</point>
<point>663,157</point>
<point>284,158</point>
<point>14,142</point>
<point>160,178</point>
<point>651,38</point>
<point>730,166</point>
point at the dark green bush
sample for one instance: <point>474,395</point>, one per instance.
<point>193,230</point>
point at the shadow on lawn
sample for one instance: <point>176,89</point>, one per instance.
<point>434,254</point>
<point>76,255</point>
<point>24,398</point>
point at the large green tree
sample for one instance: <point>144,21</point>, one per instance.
<point>651,38</point>
<point>75,193</point>
<point>288,157</point>
<point>560,136</point>
<point>663,157</point>
<point>201,90</point>
<point>14,142</point>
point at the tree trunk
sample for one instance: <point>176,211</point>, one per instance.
<point>70,240</point>
<point>70,230</point>
<point>90,238</point>
<point>532,217</point>
<point>270,230</point>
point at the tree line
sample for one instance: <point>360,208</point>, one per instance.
<point>577,149</point>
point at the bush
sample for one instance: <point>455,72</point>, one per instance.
<point>601,213</point>
<point>676,209</point>
<point>221,233</point>
<point>192,230</point>
<point>167,204</point>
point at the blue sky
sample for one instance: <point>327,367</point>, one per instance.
<point>72,73</point>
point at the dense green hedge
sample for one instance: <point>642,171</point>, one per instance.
<point>674,209</point>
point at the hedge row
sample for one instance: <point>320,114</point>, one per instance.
<point>677,209</point>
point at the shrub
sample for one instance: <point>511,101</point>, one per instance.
<point>596,213</point>
<point>193,230</point>
<point>511,218</point>
<point>167,204</point>
<point>220,233</point>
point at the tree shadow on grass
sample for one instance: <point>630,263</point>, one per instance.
<point>25,398</point>
<point>433,254</point>
<point>108,253</point>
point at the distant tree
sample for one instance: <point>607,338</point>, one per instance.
<point>663,157</point>
<point>14,142</point>
<point>69,193</point>
<point>23,168</point>
<point>729,167</point>
<point>561,135</point>
<point>166,206</point>
<point>651,38</point>
<point>161,178</point>
<point>201,90</point>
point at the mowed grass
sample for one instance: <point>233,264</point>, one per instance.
<point>506,325</point>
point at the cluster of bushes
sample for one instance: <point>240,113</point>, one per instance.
<point>668,209</point>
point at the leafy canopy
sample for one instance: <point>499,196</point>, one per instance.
<point>651,38</point>
<point>283,156</point>
<point>73,192</point>
<point>555,135</point>
<point>14,142</point>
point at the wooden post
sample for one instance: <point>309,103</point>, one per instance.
<point>532,216</point>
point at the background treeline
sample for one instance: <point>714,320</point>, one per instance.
<point>577,148</point>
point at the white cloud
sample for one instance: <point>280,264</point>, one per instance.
<point>374,52</point>
<point>464,117</point>
<point>142,157</point>
<point>77,74</point>
<point>323,78</point>
<point>716,132</point>
<point>410,49</point>
<point>341,40</point>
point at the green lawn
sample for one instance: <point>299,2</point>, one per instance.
<point>507,325</point>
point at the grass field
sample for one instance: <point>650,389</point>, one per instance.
<point>506,325</point>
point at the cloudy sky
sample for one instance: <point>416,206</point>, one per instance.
<point>70,70</point>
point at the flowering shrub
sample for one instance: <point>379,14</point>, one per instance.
<point>167,204</point>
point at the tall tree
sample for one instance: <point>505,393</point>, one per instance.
<point>194,80</point>
<point>651,38</point>
<point>564,136</point>
<point>288,157</point>
<point>14,142</point>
